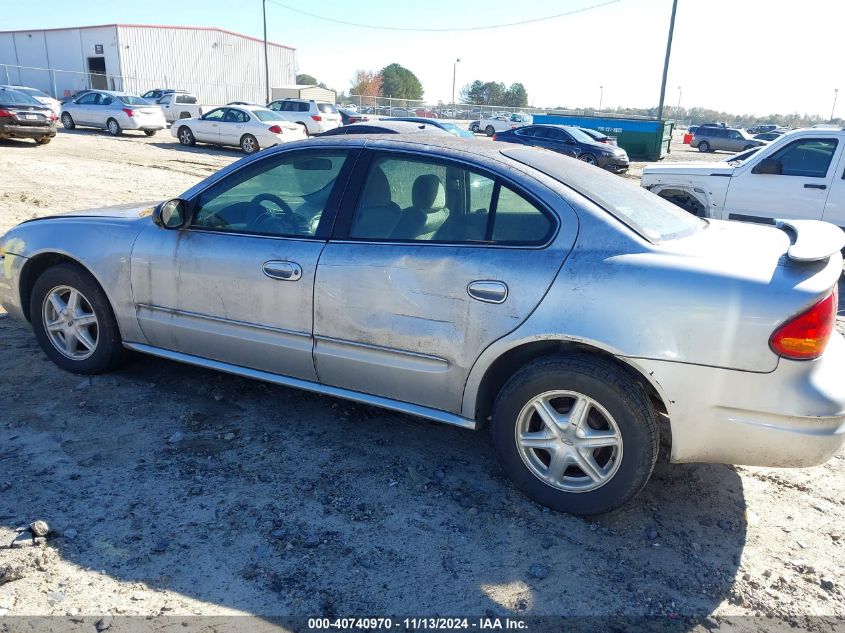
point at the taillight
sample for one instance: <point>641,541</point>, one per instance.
<point>129,111</point>
<point>805,336</point>
<point>53,116</point>
<point>316,117</point>
<point>5,113</point>
<point>494,136</point>
<point>275,129</point>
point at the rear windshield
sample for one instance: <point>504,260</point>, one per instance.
<point>13,97</point>
<point>130,100</point>
<point>327,108</point>
<point>268,115</point>
<point>649,215</point>
<point>580,136</point>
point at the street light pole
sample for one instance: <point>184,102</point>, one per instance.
<point>454,75</point>
<point>679,101</point>
<point>666,62</point>
<point>266,57</point>
<point>833,109</point>
<point>601,96</point>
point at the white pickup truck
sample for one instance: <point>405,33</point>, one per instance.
<point>181,105</point>
<point>798,176</point>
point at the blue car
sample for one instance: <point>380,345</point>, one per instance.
<point>570,141</point>
<point>443,125</point>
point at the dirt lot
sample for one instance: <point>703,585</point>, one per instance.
<point>173,490</point>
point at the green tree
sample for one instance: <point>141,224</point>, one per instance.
<point>516,96</point>
<point>306,80</point>
<point>400,83</point>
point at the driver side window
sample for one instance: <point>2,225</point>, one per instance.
<point>215,115</point>
<point>281,196</point>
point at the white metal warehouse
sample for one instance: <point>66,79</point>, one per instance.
<point>217,65</point>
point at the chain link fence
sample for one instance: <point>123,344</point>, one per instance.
<point>387,106</point>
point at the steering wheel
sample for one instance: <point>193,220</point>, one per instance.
<point>269,197</point>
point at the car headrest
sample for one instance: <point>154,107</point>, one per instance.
<point>377,191</point>
<point>428,193</point>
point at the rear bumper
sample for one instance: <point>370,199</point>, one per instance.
<point>26,131</point>
<point>791,417</point>
<point>134,123</point>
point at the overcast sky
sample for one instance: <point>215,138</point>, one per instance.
<point>742,56</point>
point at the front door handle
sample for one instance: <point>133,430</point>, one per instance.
<point>811,186</point>
<point>488,291</point>
<point>286,271</point>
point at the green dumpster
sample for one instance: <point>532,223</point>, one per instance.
<point>642,138</point>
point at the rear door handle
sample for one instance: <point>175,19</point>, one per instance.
<point>286,271</point>
<point>810,186</point>
<point>488,291</point>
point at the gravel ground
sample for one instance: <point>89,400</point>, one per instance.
<point>174,490</point>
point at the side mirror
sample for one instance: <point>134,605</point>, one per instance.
<point>172,214</point>
<point>768,166</point>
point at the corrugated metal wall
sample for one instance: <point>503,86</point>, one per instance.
<point>217,66</point>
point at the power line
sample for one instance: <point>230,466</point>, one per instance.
<point>444,30</point>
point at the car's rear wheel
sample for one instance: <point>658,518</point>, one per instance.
<point>186,137</point>
<point>150,132</point>
<point>576,434</point>
<point>67,121</point>
<point>43,140</point>
<point>704,146</point>
<point>73,321</point>
<point>473,128</point>
<point>113,127</point>
<point>249,144</point>
<point>588,158</point>
<point>489,130</point>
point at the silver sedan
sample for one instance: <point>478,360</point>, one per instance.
<point>113,111</point>
<point>585,319</point>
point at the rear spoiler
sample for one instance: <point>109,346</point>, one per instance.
<point>814,240</point>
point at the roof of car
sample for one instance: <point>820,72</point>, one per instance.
<point>398,127</point>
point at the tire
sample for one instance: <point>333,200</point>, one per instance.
<point>473,129</point>
<point>588,158</point>
<point>489,130</point>
<point>186,137</point>
<point>150,132</point>
<point>249,144</point>
<point>612,399</point>
<point>62,280</point>
<point>43,140</point>
<point>113,127</point>
<point>67,121</point>
<point>704,146</point>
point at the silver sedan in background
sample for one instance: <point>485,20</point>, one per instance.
<point>113,111</point>
<point>584,318</point>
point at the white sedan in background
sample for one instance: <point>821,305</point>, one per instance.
<point>249,127</point>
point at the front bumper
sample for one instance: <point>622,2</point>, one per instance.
<point>791,417</point>
<point>10,274</point>
<point>616,164</point>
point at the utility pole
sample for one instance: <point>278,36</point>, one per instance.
<point>601,96</point>
<point>666,63</point>
<point>678,109</point>
<point>833,109</point>
<point>266,57</point>
<point>454,75</point>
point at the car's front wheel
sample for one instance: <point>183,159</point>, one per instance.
<point>587,158</point>
<point>150,132</point>
<point>67,121</point>
<point>73,321</point>
<point>576,434</point>
<point>186,137</point>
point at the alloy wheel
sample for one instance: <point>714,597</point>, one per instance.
<point>70,322</point>
<point>569,441</point>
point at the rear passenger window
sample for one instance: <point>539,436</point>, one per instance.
<point>409,200</point>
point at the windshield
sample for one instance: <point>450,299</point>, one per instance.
<point>14,97</point>
<point>327,108</point>
<point>130,100</point>
<point>649,215</point>
<point>268,115</point>
<point>738,159</point>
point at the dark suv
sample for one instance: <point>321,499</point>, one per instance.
<point>711,138</point>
